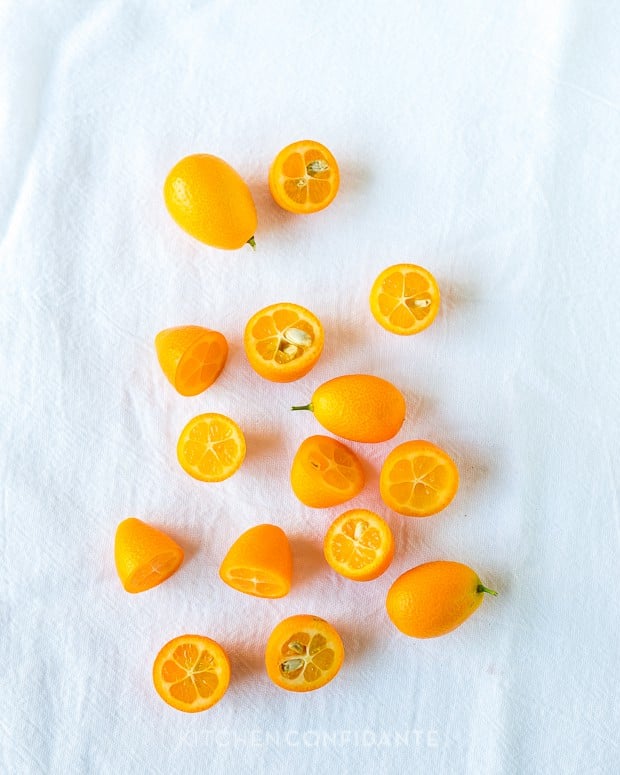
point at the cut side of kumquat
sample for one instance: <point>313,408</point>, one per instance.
<point>144,556</point>
<point>259,562</point>
<point>191,673</point>
<point>325,473</point>
<point>304,177</point>
<point>405,299</point>
<point>359,545</point>
<point>303,653</point>
<point>418,479</point>
<point>211,447</point>
<point>283,342</point>
<point>191,357</point>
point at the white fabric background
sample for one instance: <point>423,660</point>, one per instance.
<point>479,139</point>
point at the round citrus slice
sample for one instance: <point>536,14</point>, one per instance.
<point>144,555</point>
<point>259,563</point>
<point>325,473</point>
<point>359,545</point>
<point>283,342</point>
<point>303,653</point>
<point>405,299</point>
<point>418,479</point>
<point>304,177</point>
<point>191,673</point>
<point>211,447</point>
<point>191,357</point>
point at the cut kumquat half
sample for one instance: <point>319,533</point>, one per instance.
<point>359,545</point>
<point>191,673</point>
<point>304,177</point>
<point>303,653</point>
<point>283,341</point>
<point>144,556</point>
<point>191,357</point>
<point>325,473</point>
<point>418,479</point>
<point>405,299</point>
<point>211,447</point>
<point>259,562</point>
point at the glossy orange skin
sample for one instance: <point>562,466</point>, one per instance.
<point>208,199</point>
<point>263,552</point>
<point>138,549</point>
<point>179,351</point>
<point>359,407</point>
<point>325,472</point>
<point>434,598</point>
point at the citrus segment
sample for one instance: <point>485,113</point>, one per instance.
<point>259,562</point>
<point>325,473</point>
<point>418,479</point>
<point>283,342</point>
<point>211,201</point>
<point>191,673</point>
<point>434,598</point>
<point>144,556</point>
<point>304,177</point>
<point>358,407</point>
<point>191,357</point>
<point>404,299</point>
<point>359,545</point>
<point>211,447</point>
<point>303,653</point>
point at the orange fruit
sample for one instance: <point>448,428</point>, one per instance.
<point>303,653</point>
<point>259,563</point>
<point>418,479</point>
<point>304,177</point>
<point>191,357</point>
<point>358,407</point>
<point>404,299</point>
<point>191,673</point>
<point>325,473</point>
<point>359,545</point>
<point>211,447</point>
<point>435,598</point>
<point>211,201</point>
<point>283,342</point>
<point>144,555</point>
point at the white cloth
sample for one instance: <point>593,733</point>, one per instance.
<point>477,139</point>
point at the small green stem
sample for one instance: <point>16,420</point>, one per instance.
<point>252,242</point>
<point>481,588</point>
<point>310,407</point>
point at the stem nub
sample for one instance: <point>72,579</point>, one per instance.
<point>309,406</point>
<point>252,242</point>
<point>481,588</point>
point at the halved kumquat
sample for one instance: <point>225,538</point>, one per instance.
<point>304,177</point>
<point>211,447</point>
<point>283,341</point>
<point>191,673</point>
<point>303,653</point>
<point>359,545</point>
<point>259,562</point>
<point>325,472</point>
<point>405,299</point>
<point>418,479</point>
<point>144,556</point>
<point>191,357</point>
